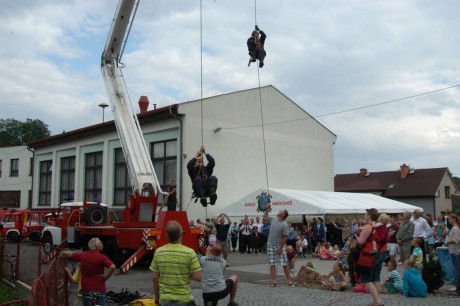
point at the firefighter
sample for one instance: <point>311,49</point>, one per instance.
<point>256,47</point>
<point>204,184</point>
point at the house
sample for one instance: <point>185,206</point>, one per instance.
<point>430,189</point>
<point>292,151</point>
<point>15,177</point>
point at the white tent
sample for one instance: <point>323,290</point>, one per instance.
<point>316,203</point>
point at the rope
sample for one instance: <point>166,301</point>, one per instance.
<point>261,109</point>
<point>201,70</point>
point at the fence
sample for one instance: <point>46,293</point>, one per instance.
<point>48,281</point>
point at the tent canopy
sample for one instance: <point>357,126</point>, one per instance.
<point>316,203</point>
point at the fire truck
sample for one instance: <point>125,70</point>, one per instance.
<point>27,223</point>
<point>141,229</point>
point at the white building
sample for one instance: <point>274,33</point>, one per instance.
<point>15,177</point>
<point>297,152</point>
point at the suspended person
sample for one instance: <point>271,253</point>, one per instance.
<point>256,47</point>
<point>204,184</point>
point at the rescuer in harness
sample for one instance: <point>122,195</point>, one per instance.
<point>256,47</point>
<point>203,182</point>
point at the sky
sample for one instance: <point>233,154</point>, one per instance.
<point>341,61</point>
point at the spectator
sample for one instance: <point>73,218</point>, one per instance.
<point>172,200</point>
<point>393,243</point>
<point>305,248</point>
<point>422,229</point>
<point>430,240</point>
<point>92,265</point>
<point>439,231</point>
<point>215,287</point>
<point>319,231</point>
<point>417,254</point>
<point>345,232</point>
<point>234,230</point>
<point>394,283</point>
<point>245,239</point>
<point>291,257</point>
<point>291,235</point>
<point>260,235</point>
<point>404,236</point>
<point>255,240</point>
<point>276,245</point>
<point>222,233</point>
<point>453,244</point>
<point>413,284</point>
<point>365,238</point>
<point>266,232</point>
<point>336,279</point>
<point>172,274</point>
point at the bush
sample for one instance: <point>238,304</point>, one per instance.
<point>432,274</point>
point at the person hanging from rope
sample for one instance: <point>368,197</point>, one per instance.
<point>204,184</point>
<point>256,46</point>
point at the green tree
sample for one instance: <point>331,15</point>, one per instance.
<point>16,133</point>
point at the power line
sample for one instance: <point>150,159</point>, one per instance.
<point>348,110</point>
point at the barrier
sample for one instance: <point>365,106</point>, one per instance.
<point>446,263</point>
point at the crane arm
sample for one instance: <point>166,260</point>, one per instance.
<point>141,172</point>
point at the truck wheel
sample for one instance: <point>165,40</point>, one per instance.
<point>12,237</point>
<point>112,251</point>
<point>95,215</point>
<point>47,244</point>
<point>35,236</point>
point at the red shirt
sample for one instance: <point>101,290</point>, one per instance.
<point>92,265</point>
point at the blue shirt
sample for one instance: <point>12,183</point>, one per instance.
<point>291,233</point>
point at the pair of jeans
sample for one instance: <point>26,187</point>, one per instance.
<point>93,298</point>
<point>175,303</point>
<point>456,263</point>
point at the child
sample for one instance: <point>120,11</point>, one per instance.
<point>417,254</point>
<point>291,256</point>
<point>379,227</point>
<point>394,282</point>
<point>75,278</point>
<point>304,246</point>
<point>336,251</point>
<point>336,280</point>
<point>299,247</point>
<point>325,253</point>
<point>212,236</point>
<point>255,241</point>
<point>311,265</point>
<point>317,250</point>
<point>413,284</point>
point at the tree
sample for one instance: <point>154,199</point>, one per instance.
<point>16,133</point>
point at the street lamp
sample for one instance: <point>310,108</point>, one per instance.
<point>103,106</point>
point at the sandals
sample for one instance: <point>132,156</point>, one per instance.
<point>378,304</point>
<point>272,285</point>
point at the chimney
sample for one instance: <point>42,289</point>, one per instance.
<point>362,171</point>
<point>154,106</point>
<point>143,104</point>
<point>404,171</point>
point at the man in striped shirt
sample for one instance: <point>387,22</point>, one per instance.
<point>173,266</point>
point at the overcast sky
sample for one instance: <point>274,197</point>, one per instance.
<point>327,56</point>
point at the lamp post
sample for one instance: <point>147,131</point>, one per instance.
<point>103,106</point>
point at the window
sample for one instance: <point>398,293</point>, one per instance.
<point>447,192</point>
<point>44,192</point>
<point>31,170</point>
<point>14,168</point>
<point>122,187</point>
<point>67,186</point>
<point>93,176</point>
<point>0,168</point>
<point>10,199</point>
<point>164,158</point>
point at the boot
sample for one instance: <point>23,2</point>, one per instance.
<point>203,202</point>
<point>212,195</point>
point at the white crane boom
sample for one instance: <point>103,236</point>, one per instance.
<point>141,172</point>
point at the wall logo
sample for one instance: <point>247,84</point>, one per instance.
<point>263,200</point>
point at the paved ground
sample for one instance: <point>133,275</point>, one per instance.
<point>252,271</point>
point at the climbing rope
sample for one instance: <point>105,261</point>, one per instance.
<point>261,108</point>
<point>201,69</point>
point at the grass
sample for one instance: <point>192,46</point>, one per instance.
<point>7,293</point>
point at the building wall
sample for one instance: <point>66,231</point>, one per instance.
<point>443,200</point>
<point>299,150</point>
<point>23,181</point>
<point>426,203</point>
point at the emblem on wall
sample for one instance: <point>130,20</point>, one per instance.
<point>263,200</point>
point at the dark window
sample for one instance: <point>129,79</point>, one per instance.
<point>67,179</point>
<point>0,168</point>
<point>14,169</point>
<point>122,187</point>
<point>164,158</point>
<point>31,170</point>
<point>447,192</point>
<point>44,192</point>
<point>10,199</point>
<point>93,176</point>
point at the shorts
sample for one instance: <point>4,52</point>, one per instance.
<point>219,295</point>
<point>224,245</point>
<point>273,256</point>
<point>393,248</point>
<point>374,276</point>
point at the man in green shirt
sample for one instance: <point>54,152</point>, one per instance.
<point>173,266</point>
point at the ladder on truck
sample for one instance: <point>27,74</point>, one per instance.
<point>140,168</point>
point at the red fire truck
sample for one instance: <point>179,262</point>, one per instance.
<point>141,229</point>
<point>27,223</point>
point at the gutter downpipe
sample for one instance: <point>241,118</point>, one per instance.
<point>29,204</point>
<point>180,155</point>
